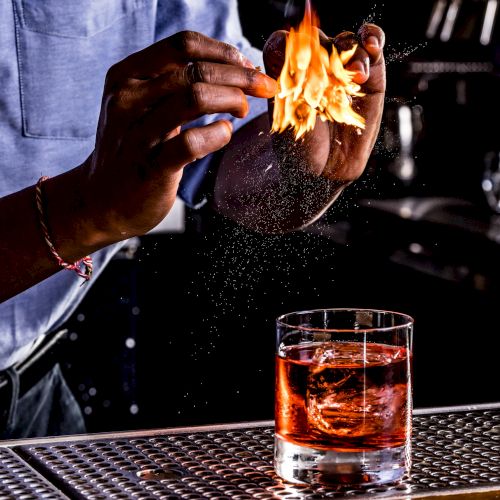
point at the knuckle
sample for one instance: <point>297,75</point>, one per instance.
<point>193,143</point>
<point>230,53</point>
<point>206,72</point>
<point>252,78</point>
<point>199,96</point>
<point>370,29</point>
<point>187,41</point>
<point>345,40</point>
<point>345,34</point>
<point>118,98</point>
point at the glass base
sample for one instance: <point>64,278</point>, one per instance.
<point>298,464</point>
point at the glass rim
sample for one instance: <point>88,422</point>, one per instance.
<point>409,320</point>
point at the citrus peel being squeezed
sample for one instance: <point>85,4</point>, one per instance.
<point>314,83</point>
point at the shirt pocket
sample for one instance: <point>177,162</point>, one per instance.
<point>64,48</point>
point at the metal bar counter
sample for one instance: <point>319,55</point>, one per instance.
<point>456,452</point>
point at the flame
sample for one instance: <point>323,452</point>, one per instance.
<point>314,83</point>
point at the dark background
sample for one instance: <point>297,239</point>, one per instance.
<point>180,330</point>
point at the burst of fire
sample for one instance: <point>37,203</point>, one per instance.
<point>314,83</point>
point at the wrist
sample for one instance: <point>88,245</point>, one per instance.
<point>70,219</point>
<point>84,266</point>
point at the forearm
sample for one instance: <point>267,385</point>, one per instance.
<point>268,187</point>
<point>25,256</point>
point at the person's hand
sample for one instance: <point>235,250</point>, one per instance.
<point>130,181</point>
<point>332,150</point>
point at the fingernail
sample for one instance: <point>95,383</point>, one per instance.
<point>228,125</point>
<point>271,85</point>
<point>373,41</point>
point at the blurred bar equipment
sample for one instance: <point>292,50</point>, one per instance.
<point>441,133</point>
<point>462,19</point>
<point>434,207</point>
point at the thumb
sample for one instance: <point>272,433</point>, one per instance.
<point>274,53</point>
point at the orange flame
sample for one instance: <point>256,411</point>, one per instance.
<point>314,83</point>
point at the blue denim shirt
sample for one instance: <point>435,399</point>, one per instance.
<point>54,55</point>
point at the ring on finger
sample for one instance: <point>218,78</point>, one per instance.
<point>192,73</point>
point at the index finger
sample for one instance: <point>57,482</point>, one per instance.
<point>359,61</point>
<point>183,47</point>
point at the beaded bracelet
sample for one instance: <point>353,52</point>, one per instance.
<point>86,261</point>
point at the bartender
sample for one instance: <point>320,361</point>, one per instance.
<point>177,107</point>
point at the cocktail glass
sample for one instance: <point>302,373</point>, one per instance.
<point>343,396</point>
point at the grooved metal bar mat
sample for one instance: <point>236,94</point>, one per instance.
<point>454,452</point>
<point>19,481</point>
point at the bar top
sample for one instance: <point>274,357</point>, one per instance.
<point>456,452</point>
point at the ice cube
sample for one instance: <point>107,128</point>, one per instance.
<point>338,353</point>
<point>346,394</point>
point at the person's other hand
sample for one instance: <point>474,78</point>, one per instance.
<point>332,150</point>
<point>130,181</point>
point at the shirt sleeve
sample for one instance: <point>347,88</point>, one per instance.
<point>218,19</point>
